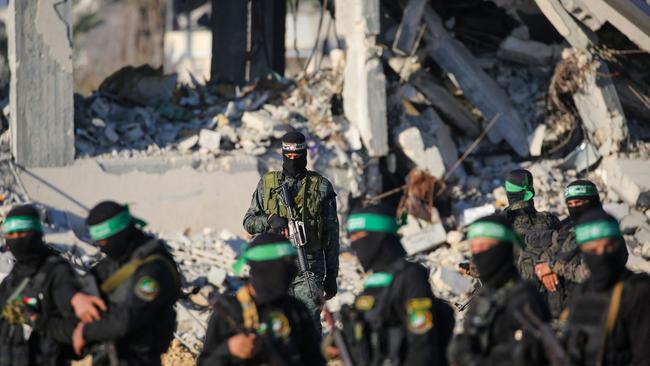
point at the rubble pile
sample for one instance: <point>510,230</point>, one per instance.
<point>463,106</point>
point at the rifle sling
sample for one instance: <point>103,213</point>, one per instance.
<point>612,313</point>
<point>126,271</point>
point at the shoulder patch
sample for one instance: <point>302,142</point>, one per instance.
<point>418,312</point>
<point>280,325</point>
<point>365,302</point>
<point>147,288</point>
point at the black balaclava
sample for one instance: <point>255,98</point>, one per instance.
<point>379,249</point>
<point>120,245</point>
<point>271,279</point>
<point>607,268</point>
<point>294,142</point>
<point>519,186</point>
<point>495,265</point>
<point>582,189</point>
<point>29,250</point>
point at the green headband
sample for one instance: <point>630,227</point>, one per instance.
<point>596,230</point>
<point>493,230</point>
<point>372,222</point>
<point>579,191</point>
<point>265,252</point>
<point>22,223</point>
<point>114,225</point>
<point>526,188</point>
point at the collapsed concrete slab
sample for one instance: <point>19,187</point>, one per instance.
<point>172,200</point>
<point>480,89</point>
<point>442,100</point>
<point>407,34</point>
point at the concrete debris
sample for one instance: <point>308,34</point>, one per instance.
<point>627,177</point>
<point>424,237</point>
<point>452,281</point>
<point>525,52</point>
<point>472,214</point>
<point>583,157</point>
<point>142,85</point>
<point>618,210</point>
<point>422,151</point>
<point>536,140</point>
<point>631,222</point>
<point>210,140</point>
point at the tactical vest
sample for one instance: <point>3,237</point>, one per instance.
<point>479,323</point>
<point>591,323</point>
<point>308,197</point>
<point>19,345</point>
<point>371,340</point>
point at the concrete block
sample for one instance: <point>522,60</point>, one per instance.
<point>217,276</point>
<point>627,177</point>
<point>260,121</point>
<point>631,222</point>
<point>210,140</point>
<point>583,157</point>
<point>444,142</point>
<point>450,280</point>
<point>423,153</point>
<point>525,52</point>
<point>536,140</point>
<point>41,91</point>
<point>618,210</point>
<point>431,236</point>
<point>469,215</point>
<point>188,143</point>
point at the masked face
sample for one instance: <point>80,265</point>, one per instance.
<point>272,279</point>
<point>376,250</point>
<point>579,205</point>
<point>26,246</point>
<point>294,163</point>
<point>495,265</point>
<point>117,246</point>
<point>605,263</point>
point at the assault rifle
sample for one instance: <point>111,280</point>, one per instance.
<point>544,334</point>
<point>297,237</point>
<point>339,340</point>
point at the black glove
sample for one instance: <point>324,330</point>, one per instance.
<point>277,223</point>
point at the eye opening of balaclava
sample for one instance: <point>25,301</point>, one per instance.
<point>271,258</point>
<point>496,264</point>
<point>582,189</point>
<point>519,186</point>
<point>294,143</point>
<point>605,268</point>
<point>381,246</point>
<point>24,219</point>
<point>113,223</point>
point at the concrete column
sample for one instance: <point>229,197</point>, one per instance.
<point>41,94</point>
<point>364,89</point>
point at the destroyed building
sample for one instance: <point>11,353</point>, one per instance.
<point>425,104</point>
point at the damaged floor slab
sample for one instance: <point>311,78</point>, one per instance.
<point>170,200</point>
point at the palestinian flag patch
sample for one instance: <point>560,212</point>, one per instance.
<point>147,288</point>
<point>418,312</point>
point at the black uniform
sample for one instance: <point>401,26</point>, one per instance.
<point>45,299</point>
<point>140,318</point>
<point>290,338</point>
<point>492,335</point>
<point>629,342</point>
<point>412,326</point>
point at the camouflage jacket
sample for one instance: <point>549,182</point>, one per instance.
<point>526,219</point>
<point>564,256</point>
<point>255,222</point>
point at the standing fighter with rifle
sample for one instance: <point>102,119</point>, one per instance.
<point>300,204</point>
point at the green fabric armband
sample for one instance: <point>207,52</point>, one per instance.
<point>596,230</point>
<point>266,252</point>
<point>22,223</point>
<point>372,222</point>
<point>494,231</point>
